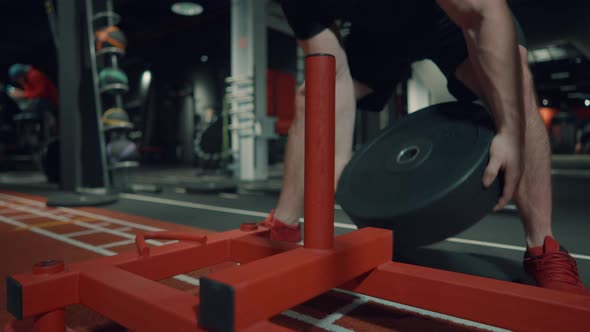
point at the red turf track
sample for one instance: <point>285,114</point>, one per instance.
<point>21,248</point>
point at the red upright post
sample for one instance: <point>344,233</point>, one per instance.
<point>320,107</point>
<point>51,321</point>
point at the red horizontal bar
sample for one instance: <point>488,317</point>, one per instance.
<point>250,248</point>
<point>137,303</point>
<point>261,289</point>
<point>175,258</point>
<point>170,260</point>
<point>144,250</point>
<point>493,302</point>
<point>42,293</point>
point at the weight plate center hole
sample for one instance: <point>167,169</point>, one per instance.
<point>408,154</point>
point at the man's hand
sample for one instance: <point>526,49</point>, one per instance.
<point>16,93</point>
<point>505,155</point>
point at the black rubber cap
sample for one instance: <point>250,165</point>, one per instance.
<point>217,305</point>
<point>14,298</point>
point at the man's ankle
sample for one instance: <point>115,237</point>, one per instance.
<point>537,240</point>
<point>287,219</point>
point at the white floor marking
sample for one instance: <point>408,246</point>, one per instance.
<point>85,214</point>
<point>337,224</point>
<point>503,246</point>
<point>116,244</point>
<point>314,321</point>
<point>339,313</point>
<point>24,216</point>
<point>423,312</point>
<point>86,232</point>
<point>101,251</point>
<point>78,223</point>
<point>229,196</point>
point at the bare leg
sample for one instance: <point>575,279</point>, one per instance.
<point>533,196</point>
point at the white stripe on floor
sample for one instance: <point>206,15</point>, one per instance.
<point>84,213</point>
<point>337,224</point>
<point>116,244</point>
<point>78,223</point>
<point>58,237</point>
<point>314,321</point>
<point>423,312</point>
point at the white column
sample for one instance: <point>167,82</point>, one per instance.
<point>251,127</point>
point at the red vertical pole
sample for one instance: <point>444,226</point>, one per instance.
<point>320,108</point>
<point>52,321</point>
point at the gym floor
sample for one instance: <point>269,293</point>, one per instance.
<point>492,248</point>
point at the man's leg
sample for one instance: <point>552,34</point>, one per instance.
<point>533,196</point>
<point>544,260</point>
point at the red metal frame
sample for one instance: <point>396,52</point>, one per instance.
<point>274,276</point>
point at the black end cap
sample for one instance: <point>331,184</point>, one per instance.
<point>216,305</point>
<point>14,298</point>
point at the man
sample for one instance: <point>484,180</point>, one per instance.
<point>37,90</point>
<point>37,96</point>
<point>475,44</point>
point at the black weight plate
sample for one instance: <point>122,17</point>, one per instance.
<point>76,199</point>
<point>432,191</point>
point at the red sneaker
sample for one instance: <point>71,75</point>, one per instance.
<point>553,267</point>
<point>280,231</point>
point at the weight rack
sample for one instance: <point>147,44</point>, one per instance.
<point>274,276</point>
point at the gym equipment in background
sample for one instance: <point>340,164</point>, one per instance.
<point>422,176</point>
<point>113,80</point>
<point>116,118</point>
<point>563,133</point>
<point>110,40</point>
<point>207,145</point>
<point>122,149</point>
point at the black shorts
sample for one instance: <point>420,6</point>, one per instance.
<point>382,67</point>
<point>385,38</point>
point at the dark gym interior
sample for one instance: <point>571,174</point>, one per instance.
<point>148,128</point>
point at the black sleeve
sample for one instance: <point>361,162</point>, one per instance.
<point>307,18</point>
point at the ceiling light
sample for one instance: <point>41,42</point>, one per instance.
<point>187,8</point>
<point>545,102</point>
<point>204,58</point>
<point>587,102</point>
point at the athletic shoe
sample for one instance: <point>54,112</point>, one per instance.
<point>280,231</point>
<point>551,266</point>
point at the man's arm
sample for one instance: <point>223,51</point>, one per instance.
<point>491,40</point>
<point>494,55</point>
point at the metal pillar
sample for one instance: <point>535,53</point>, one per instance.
<point>68,85</point>
<point>96,177</point>
<point>250,126</point>
<point>84,170</point>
